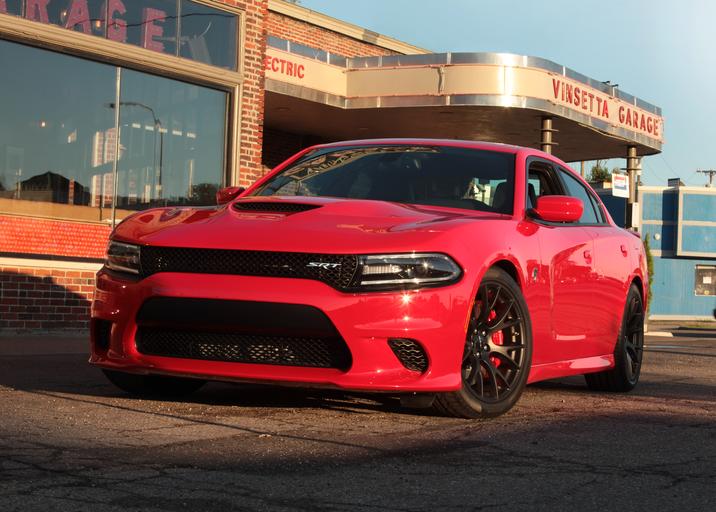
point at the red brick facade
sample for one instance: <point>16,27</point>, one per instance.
<point>43,298</point>
<point>302,32</point>
<point>30,235</point>
<point>252,102</point>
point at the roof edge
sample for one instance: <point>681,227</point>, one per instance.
<point>348,29</point>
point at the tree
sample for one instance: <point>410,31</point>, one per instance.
<point>599,172</point>
<point>649,267</point>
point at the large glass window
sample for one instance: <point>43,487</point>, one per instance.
<point>172,142</point>
<point>58,138</point>
<point>176,27</point>
<point>207,35</point>
<point>79,15</point>
<point>52,108</point>
<point>151,24</point>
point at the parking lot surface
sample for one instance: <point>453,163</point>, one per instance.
<point>70,441</point>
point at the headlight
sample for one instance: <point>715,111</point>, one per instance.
<point>406,271</point>
<point>122,257</point>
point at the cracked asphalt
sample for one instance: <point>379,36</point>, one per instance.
<point>70,441</point>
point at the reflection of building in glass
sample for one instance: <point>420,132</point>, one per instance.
<point>102,190</point>
<point>52,188</point>
<point>103,145</point>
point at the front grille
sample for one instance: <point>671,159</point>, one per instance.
<point>244,348</point>
<point>336,270</point>
<point>274,206</point>
<point>240,331</point>
<point>409,353</point>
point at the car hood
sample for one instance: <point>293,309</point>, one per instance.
<point>298,224</point>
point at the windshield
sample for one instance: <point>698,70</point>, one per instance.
<point>429,175</point>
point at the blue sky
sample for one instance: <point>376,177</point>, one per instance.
<point>661,51</point>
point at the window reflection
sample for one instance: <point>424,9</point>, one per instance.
<point>58,150</point>
<point>46,145</point>
<point>151,24</point>
<point>208,35</point>
<point>11,7</point>
<point>175,27</point>
<point>80,15</point>
<point>172,137</point>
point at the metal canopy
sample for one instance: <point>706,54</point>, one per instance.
<point>472,96</point>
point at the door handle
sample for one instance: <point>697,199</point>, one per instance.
<point>588,256</point>
<point>624,249</point>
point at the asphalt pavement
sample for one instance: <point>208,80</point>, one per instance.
<point>70,441</point>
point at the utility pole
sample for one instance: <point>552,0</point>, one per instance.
<point>711,173</point>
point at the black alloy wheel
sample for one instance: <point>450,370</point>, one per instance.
<point>497,354</point>
<point>628,351</point>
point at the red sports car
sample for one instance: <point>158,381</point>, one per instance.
<point>452,273</point>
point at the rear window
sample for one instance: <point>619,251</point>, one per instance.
<point>428,175</point>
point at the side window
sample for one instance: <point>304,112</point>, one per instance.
<point>576,189</point>
<point>600,212</point>
<point>540,182</point>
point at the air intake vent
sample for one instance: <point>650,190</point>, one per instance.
<point>241,332</point>
<point>409,353</point>
<point>243,348</point>
<point>273,206</point>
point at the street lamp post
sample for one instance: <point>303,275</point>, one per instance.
<point>157,128</point>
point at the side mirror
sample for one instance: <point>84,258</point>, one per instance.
<point>226,194</point>
<point>558,208</point>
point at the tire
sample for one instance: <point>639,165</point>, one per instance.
<point>498,351</point>
<point>628,351</point>
<point>153,386</point>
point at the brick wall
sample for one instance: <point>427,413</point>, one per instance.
<point>31,235</point>
<point>252,103</point>
<point>302,32</point>
<point>44,298</point>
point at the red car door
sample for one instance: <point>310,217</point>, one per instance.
<point>611,259</point>
<point>568,260</point>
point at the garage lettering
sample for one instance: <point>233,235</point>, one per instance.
<point>580,98</point>
<point>596,105</point>
<point>639,120</point>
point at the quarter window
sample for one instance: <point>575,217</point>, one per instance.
<point>576,189</point>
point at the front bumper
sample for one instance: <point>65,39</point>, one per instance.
<point>435,317</point>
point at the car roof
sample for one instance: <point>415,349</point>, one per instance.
<point>495,146</point>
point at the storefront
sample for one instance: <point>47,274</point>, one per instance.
<point>108,107</point>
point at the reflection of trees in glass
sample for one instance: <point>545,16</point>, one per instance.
<point>203,193</point>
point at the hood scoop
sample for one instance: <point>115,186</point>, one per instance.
<point>273,206</point>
